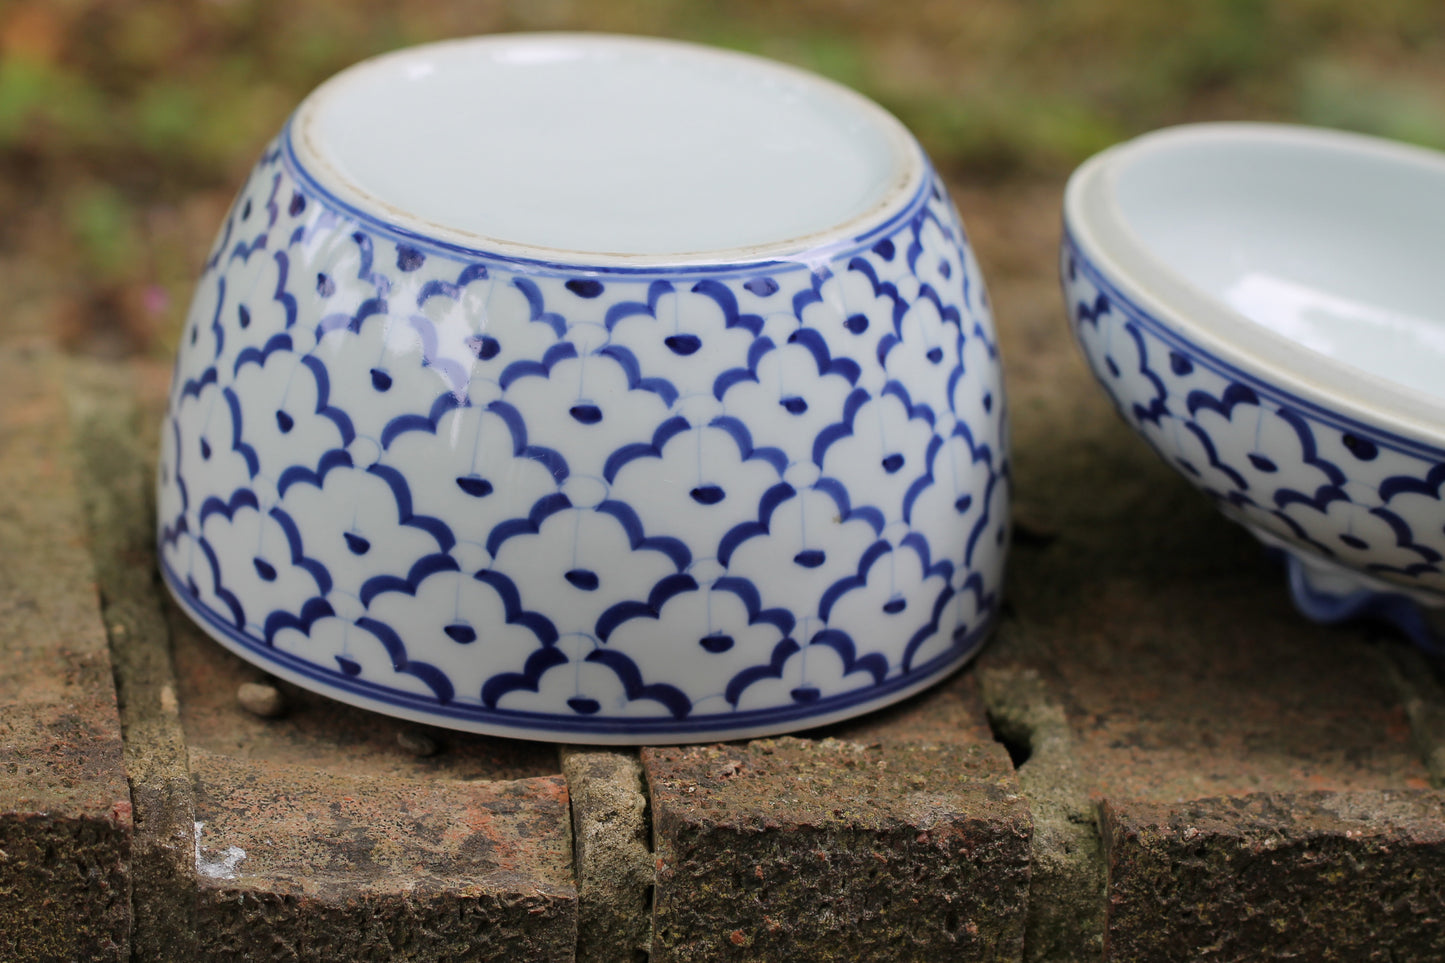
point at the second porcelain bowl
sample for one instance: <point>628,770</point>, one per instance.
<point>1265,305</point>
<point>590,388</point>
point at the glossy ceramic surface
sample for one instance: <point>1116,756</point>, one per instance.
<point>1263,306</point>
<point>720,478</point>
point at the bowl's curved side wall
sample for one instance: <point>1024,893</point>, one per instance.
<point>1325,483</point>
<point>1329,385</point>
<point>574,502</point>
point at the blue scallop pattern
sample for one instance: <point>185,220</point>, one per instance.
<point>658,503</point>
<point>1298,474</point>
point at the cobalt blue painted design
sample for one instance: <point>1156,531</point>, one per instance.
<point>647,503</point>
<point>1358,509</point>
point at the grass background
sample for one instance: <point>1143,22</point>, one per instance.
<point>125,126</point>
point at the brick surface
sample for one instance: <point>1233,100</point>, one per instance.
<point>115,475</point>
<point>1422,696</point>
<point>612,846</point>
<point>1065,921</point>
<point>1202,690</point>
<point>855,846</point>
<point>296,863</point>
<point>65,812</point>
<point>1301,876</point>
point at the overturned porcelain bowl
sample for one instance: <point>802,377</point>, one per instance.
<point>1265,304</point>
<point>590,388</point>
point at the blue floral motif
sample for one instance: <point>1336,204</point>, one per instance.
<point>613,502</point>
<point>1335,494</point>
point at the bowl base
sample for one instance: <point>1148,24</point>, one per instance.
<point>469,716</point>
<point>1328,592</point>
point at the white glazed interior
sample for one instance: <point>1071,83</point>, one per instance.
<point>615,148</point>
<point>1258,240</point>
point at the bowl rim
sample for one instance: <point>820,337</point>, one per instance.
<point>910,178</point>
<point>1095,225</point>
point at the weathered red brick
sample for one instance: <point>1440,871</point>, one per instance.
<point>295,863</point>
<point>1311,876</point>
<point>843,849</point>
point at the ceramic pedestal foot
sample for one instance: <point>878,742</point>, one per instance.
<point>1328,592</point>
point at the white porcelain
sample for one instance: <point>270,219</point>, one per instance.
<point>1264,304</point>
<point>590,388</point>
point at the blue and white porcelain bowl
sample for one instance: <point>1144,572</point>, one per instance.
<point>1265,305</point>
<point>590,388</point>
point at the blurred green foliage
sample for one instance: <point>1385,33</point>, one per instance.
<point>125,124</point>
